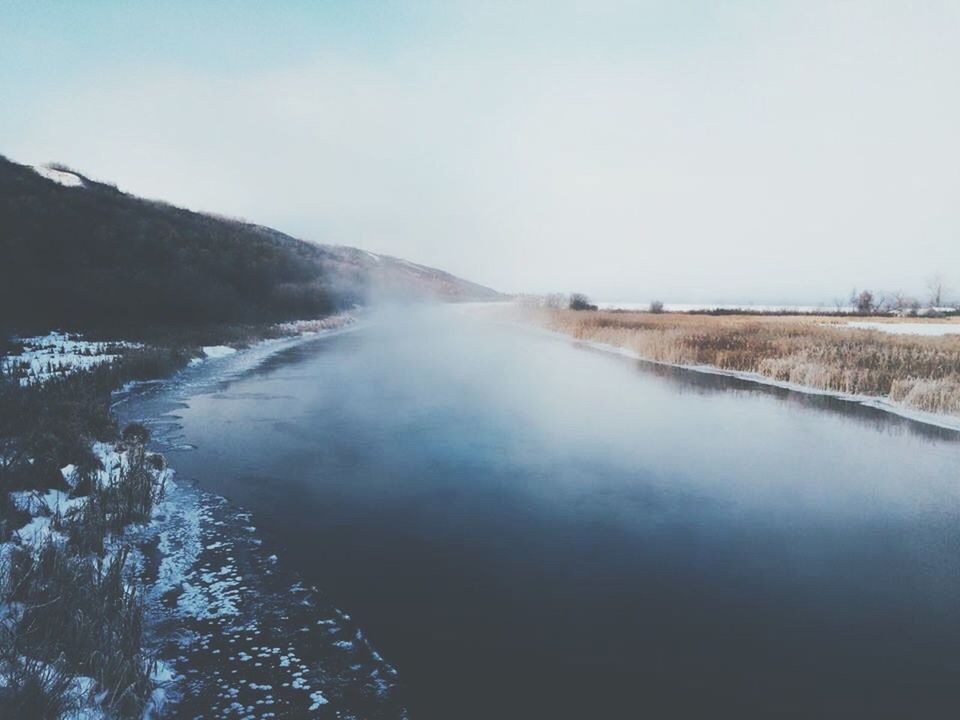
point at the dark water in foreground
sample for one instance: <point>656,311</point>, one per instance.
<point>530,530</point>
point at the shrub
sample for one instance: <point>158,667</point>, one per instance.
<point>579,301</point>
<point>135,433</point>
<point>127,498</point>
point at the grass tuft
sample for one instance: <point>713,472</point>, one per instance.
<point>77,614</point>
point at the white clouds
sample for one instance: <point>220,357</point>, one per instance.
<point>780,156</point>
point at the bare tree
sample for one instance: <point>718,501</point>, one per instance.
<point>556,301</point>
<point>896,302</point>
<point>656,306</point>
<point>937,287</point>
<point>863,302</point>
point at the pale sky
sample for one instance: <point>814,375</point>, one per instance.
<point>690,151</point>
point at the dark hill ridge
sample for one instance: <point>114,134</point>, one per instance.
<point>80,254</point>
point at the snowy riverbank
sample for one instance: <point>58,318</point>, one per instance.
<point>119,514</point>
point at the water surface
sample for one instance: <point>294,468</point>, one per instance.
<point>527,529</point>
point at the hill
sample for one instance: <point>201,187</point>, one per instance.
<point>79,254</point>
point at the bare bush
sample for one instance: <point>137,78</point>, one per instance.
<point>863,301</point>
<point>937,287</point>
<point>579,301</point>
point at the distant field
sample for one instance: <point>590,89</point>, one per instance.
<point>745,307</point>
<point>912,362</point>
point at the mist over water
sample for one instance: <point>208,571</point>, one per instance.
<point>528,529</point>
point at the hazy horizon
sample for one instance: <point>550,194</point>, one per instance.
<point>744,152</point>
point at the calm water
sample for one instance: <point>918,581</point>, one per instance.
<point>527,529</point>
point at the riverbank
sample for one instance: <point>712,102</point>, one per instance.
<point>72,487</point>
<point>911,374</point>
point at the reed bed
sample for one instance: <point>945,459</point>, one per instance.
<point>919,372</point>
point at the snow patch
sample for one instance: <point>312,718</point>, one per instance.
<point>61,177</point>
<point>318,699</point>
<point>218,351</point>
<point>57,354</point>
<point>898,328</point>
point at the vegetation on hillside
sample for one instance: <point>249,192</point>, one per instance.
<point>91,257</point>
<point>81,257</point>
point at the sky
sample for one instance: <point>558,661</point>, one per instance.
<point>737,151</point>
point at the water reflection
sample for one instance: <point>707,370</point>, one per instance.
<point>692,381</point>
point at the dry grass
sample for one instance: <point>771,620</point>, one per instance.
<point>34,689</point>
<point>917,371</point>
<point>71,614</point>
<point>76,616</point>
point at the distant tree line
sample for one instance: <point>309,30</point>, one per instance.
<point>862,302</point>
<point>867,302</point>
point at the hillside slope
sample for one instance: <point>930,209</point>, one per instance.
<point>79,254</point>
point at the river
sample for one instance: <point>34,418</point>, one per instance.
<point>529,529</point>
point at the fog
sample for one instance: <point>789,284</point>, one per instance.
<point>485,367</point>
<point>530,529</point>
<point>746,151</point>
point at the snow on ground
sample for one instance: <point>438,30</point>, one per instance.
<point>295,327</point>
<point>42,507</point>
<point>746,307</point>
<point>902,328</point>
<point>752,308</point>
<point>237,639</point>
<point>57,355</point>
<point>312,327</point>
<point>163,677</point>
<point>45,508</point>
<point>218,351</point>
<point>61,177</point>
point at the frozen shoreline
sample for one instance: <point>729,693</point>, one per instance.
<point>946,422</point>
<point>239,359</point>
<point>178,569</point>
<point>236,630</point>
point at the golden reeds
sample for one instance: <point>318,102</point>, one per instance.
<point>920,372</point>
